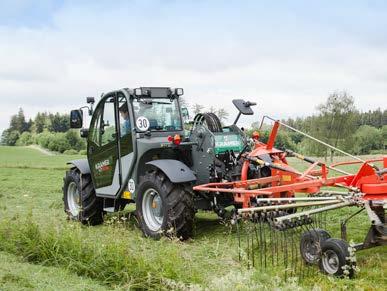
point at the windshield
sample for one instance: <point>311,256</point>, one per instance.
<point>162,114</point>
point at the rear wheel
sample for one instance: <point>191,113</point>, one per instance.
<point>163,207</point>
<point>80,201</point>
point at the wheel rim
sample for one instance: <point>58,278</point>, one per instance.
<point>73,199</point>
<point>311,250</point>
<point>153,212</point>
<point>330,262</point>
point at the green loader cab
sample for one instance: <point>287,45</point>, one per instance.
<point>139,152</point>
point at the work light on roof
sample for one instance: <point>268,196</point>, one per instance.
<point>138,92</point>
<point>179,91</point>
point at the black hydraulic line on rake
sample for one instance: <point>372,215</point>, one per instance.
<point>343,224</point>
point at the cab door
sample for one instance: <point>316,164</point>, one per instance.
<point>103,147</point>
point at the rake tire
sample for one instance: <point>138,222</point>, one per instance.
<point>311,242</point>
<point>335,258</point>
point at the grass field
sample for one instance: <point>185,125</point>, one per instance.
<point>40,249</point>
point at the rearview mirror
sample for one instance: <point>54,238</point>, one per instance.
<point>243,106</point>
<point>76,118</point>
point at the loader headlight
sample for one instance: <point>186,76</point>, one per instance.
<point>179,91</point>
<point>138,91</point>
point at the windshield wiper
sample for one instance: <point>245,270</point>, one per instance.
<point>156,102</point>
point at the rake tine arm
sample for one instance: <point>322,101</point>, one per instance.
<point>287,206</point>
<point>291,199</point>
<point>313,211</point>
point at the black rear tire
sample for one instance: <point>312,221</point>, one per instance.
<point>90,206</point>
<point>310,245</point>
<point>335,258</point>
<point>177,207</point>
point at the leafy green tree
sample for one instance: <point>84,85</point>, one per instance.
<point>9,137</point>
<point>336,120</point>
<point>366,139</point>
<point>384,136</point>
<point>314,125</point>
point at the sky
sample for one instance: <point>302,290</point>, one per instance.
<point>287,56</point>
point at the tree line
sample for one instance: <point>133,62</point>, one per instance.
<point>337,122</point>
<point>49,130</point>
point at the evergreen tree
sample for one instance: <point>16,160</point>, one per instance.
<point>39,122</point>
<point>18,122</point>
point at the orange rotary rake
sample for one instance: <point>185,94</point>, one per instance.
<point>276,219</point>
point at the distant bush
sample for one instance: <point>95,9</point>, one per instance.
<point>70,152</point>
<point>378,152</point>
<point>60,141</point>
<point>43,139</point>
<point>75,141</point>
<point>83,152</point>
<point>25,139</point>
<point>366,139</point>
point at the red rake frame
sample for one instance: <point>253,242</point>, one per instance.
<point>285,181</point>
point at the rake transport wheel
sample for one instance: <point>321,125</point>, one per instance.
<point>163,207</point>
<point>80,201</point>
<point>310,245</point>
<point>335,258</point>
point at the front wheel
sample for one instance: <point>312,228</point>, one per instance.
<point>80,201</point>
<point>163,207</point>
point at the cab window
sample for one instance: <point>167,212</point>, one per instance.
<point>125,125</point>
<point>162,114</point>
<point>108,124</point>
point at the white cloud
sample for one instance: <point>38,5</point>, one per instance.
<point>88,49</point>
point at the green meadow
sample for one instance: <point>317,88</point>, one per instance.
<point>40,249</point>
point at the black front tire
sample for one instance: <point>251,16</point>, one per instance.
<point>310,245</point>
<point>336,259</point>
<point>90,206</point>
<point>177,206</point>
